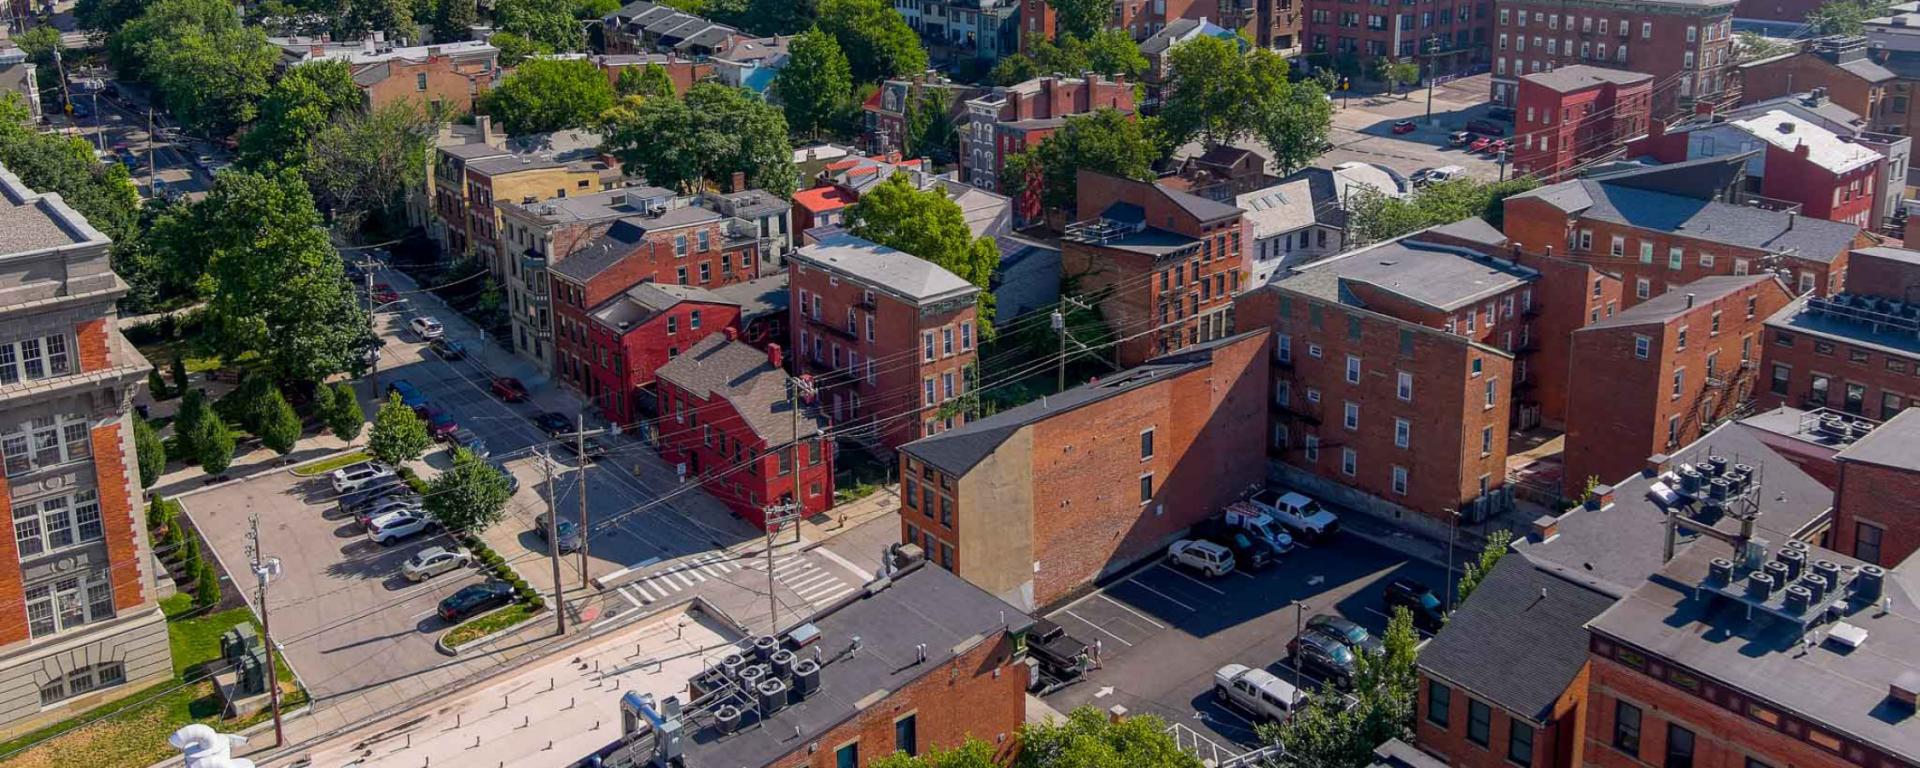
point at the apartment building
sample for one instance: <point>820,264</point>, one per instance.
<point>683,246</point>
<point>84,625</point>
<point>646,27</point>
<point>1575,115</point>
<point>1843,67</point>
<point>443,79</point>
<point>733,425</point>
<point>1830,178</point>
<point>963,31</point>
<point>884,114</point>
<point>1166,264</point>
<point>1687,47</point>
<point>470,179</point>
<point>1876,510</point>
<point>1026,503</point>
<point>891,339</point>
<point>1654,377</point>
<point>643,329</point>
<point>1395,372</point>
<point>19,75</point>
<point>1857,351</point>
<point>1451,38</point>
<point>1016,118</point>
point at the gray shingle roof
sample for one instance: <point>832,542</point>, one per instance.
<point>1667,306</point>
<point>1473,230</point>
<point>897,272</point>
<point>741,375</point>
<point>757,298</point>
<point>1442,277</point>
<point>1894,444</point>
<point>1579,76</point>
<point>643,301</point>
<point>1738,225</point>
<point>621,238</point>
<point>1517,641</point>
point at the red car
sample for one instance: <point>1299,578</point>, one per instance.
<point>509,389</point>
<point>1404,126</point>
<point>1498,146</point>
<point>1479,143</point>
<point>441,424</point>
<point>384,293</point>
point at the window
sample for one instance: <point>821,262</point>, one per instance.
<point>847,756</point>
<point>1479,722</point>
<point>1486,441</point>
<point>927,387</point>
<point>1519,743</point>
<point>1404,387</point>
<point>83,680</point>
<point>1646,30</point>
<point>1642,288</point>
<point>1146,487</point>
<point>1313,350</point>
<point>1353,369</point>
<point>1146,444</point>
<point>1618,247</point>
<point>1866,542</point>
<point>1626,728</point>
<point>1402,433</point>
<point>946,341</point>
<point>1675,257</point>
<point>1706,259</point>
<point>1312,447</point>
<point>1349,462</point>
<point>1646,252</point>
<point>1399,480</point>
<point>1680,338</point>
<point>1493,392</point>
<point>1283,348</point>
<point>1642,346</point>
<point>1679,381</point>
<point>1352,419</point>
<point>37,358</point>
<point>679,245</point>
<point>45,442</point>
<point>56,523</point>
<point>926,344</point>
<point>67,603</point>
<point>1679,747</point>
<point>966,336</point>
<point>905,735</point>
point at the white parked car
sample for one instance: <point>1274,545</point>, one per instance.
<point>433,561</point>
<point>394,526</point>
<point>1203,556</point>
<point>1299,513</point>
<point>386,506</point>
<point>1257,692</point>
<point>427,328</point>
<point>353,477</point>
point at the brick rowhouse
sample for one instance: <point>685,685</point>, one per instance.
<point>1840,67</point>
<point>84,627</point>
<point>1575,114</point>
<point>890,337</point>
<point>1016,118</point>
<point>632,335</point>
<point>1167,263</point>
<point>1656,377</point>
<point>726,418</point>
<point>1039,501</point>
<point>1829,177</point>
<point>1444,37</point>
<point>1857,352</point>
<point>1876,510</point>
<point>1395,368</point>
<point>1686,46</point>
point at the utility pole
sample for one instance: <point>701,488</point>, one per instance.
<point>150,138</point>
<point>553,544</point>
<point>799,389</point>
<point>265,571</point>
<point>367,266</point>
<point>1501,158</point>
<point>580,447</point>
<point>1453,532</point>
<point>1433,43</point>
<point>1060,327</point>
<point>778,515</point>
<point>1299,611</point>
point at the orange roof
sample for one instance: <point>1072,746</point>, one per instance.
<point>841,165</point>
<point>823,199</point>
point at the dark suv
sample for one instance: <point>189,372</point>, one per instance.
<point>1325,656</point>
<point>1353,635</point>
<point>1419,600</point>
<point>1248,551</point>
<point>474,598</point>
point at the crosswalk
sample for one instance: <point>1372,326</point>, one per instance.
<point>798,574</point>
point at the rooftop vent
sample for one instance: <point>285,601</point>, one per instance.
<point>1905,689</point>
<point>1848,635</point>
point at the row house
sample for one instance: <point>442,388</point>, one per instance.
<point>1842,68</point>
<point>1674,367</point>
<point>1026,503</point>
<point>963,31</point>
<point>1830,178</point>
<point>1687,47</point>
<point>444,79</point>
<point>684,246</point>
<point>682,71</point>
<point>1575,115</point>
<point>1165,263</point>
<point>1450,38</point>
<point>1395,371</point>
<point>1876,508</point>
<point>83,624</point>
<point>1158,46</point>
<point>891,339</point>
<point>633,335</point>
<point>647,27</point>
<point>468,181</point>
<point>1013,119</point>
<point>1857,352</point>
<point>728,419</point>
<point>884,114</point>
<point>1894,42</point>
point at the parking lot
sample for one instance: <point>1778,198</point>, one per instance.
<point>1164,630</point>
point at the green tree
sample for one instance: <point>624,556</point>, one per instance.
<point>298,106</point>
<point>1846,17</point>
<point>1089,739</point>
<point>186,423</point>
<point>356,19</point>
<point>209,69</point>
<point>545,95</point>
<point>103,192</point>
<point>361,165</point>
<point>157,386</point>
<point>1113,52</point>
<point>546,22</point>
<point>931,131</point>
<point>1328,734</point>
<point>1080,18</point>
<point>814,85</point>
<point>650,80</point>
<point>707,136</point>
<point>152,452</point>
<point>1013,69</point>
<point>1207,82</point>
<point>781,17</point>
<point>1753,46</point>
<point>1291,118</point>
<point>875,37</point>
<point>453,20</point>
<point>1373,217</point>
<point>247,404</point>
<point>515,49</point>
<point>972,754</point>
<point>279,426</point>
<point>928,224</point>
<point>399,435</point>
<point>1477,569</point>
<point>1105,141</point>
<point>469,497</point>
<point>213,444</point>
<point>106,16</point>
<point>1395,73</point>
<point>206,585</point>
<point>179,370</point>
<point>344,417</point>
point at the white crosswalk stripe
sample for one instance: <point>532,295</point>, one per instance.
<point>802,576</point>
<point>806,578</point>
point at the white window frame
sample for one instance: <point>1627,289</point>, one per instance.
<point>1402,433</point>
<point>1353,369</point>
<point>1350,415</point>
<point>56,523</point>
<point>36,358</point>
<point>1399,480</point>
<point>59,600</point>
<point>1349,461</point>
<point>1403,388</point>
<point>46,441</point>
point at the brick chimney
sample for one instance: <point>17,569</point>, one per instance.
<point>739,182</point>
<point>1602,496</point>
<point>773,354</point>
<point>733,334</point>
<point>1657,465</point>
<point>1545,527</point>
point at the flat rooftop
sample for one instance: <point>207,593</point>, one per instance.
<point>511,718</point>
<point>1579,76</point>
<point>1438,276</point>
<point>1804,316</point>
<point>34,221</point>
<point>1895,444</point>
<point>898,272</point>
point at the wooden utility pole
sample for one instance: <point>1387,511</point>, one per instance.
<point>553,544</point>
<point>264,573</point>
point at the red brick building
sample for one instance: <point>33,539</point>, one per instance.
<point>1016,118</point>
<point>1577,113</point>
<point>685,246</point>
<point>890,338</point>
<point>632,335</point>
<point>1654,377</point>
<point>1876,512</point>
<point>1456,35</point>
<point>1831,178</point>
<point>885,111</point>
<point>1395,368</point>
<point>1855,352</point>
<point>727,418</point>
<point>443,79</point>
<point>1038,501</point>
<point>1171,260</point>
<point>1037,24</point>
<point>1686,46</point>
<point>1842,68</point>
<point>83,626</point>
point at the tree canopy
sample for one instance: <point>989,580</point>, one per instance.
<point>713,132</point>
<point>209,69</point>
<point>650,80</point>
<point>361,165</point>
<point>875,37</point>
<point>298,106</point>
<point>1329,734</point>
<point>545,95</point>
<point>814,87</point>
<point>399,435</point>
<point>549,23</point>
<point>780,17</point>
<point>1080,18</point>
<point>1846,17</point>
<point>930,225</point>
<point>469,497</point>
<point>1373,217</point>
<point>1104,140</point>
<point>1219,94</point>
<point>1478,568</point>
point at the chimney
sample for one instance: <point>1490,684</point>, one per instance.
<point>1545,527</point>
<point>1689,301</point>
<point>1905,689</point>
<point>1601,498</point>
<point>733,334</point>
<point>487,134</point>
<point>1791,216</point>
<point>1657,465</point>
<point>773,354</point>
<point>739,181</point>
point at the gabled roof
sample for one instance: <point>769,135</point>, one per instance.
<point>1669,306</point>
<point>1518,641</point>
<point>646,300</point>
<point>740,374</point>
<point>897,272</point>
<point>1738,225</point>
<point>621,239</point>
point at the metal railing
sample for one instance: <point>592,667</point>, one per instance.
<point>1216,755</point>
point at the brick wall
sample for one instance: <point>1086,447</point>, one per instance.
<point>1556,745</point>
<point>1880,497</point>
<point>1656,40</point>
<point>1722,739</point>
<point>1800,72</point>
<point>1793,361</point>
<point>92,337</point>
<point>12,589</point>
<point>980,694</point>
<point>1568,296</point>
<point>454,88</point>
<point>118,515</point>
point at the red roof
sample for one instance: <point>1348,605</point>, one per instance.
<point>841,165</point>
<point>823,199</point>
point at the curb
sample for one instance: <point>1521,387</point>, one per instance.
<point>440,643</point>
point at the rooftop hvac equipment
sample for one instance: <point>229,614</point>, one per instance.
<point>1868,582</point>
<point>806,677</point>
<point>726,719</point>
<point>1795,561</point>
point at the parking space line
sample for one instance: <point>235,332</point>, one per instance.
<point>1202,584</point>
<point>813,593</point>
<point>1125,607</point>
<point>809,581</point>
<point>1167,597</point>
<point>1098,628</point>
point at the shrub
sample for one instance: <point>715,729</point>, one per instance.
<point>206,586</point>
<point>157,386</point>
<point>341,411</point>
<point>186,423</point>
<point>151,451</point>
<point>175,532</point>
<point>179,374</point>
<point>190,559</point>
<point>279,427</point>
<point>213,441</point>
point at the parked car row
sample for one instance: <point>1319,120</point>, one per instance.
<point>1253,533</point>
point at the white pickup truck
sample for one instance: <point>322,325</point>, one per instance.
<point>1299,513</point>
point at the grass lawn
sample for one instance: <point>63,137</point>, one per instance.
<point>324,466</point>
<point>161,354</point>
<point>133,732</point>
<point>497,621</point>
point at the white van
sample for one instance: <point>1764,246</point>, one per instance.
<point>1257,692</point>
